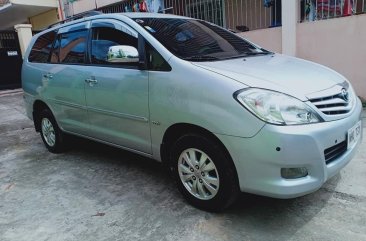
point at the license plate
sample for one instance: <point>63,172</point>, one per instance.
<point>354,134</point>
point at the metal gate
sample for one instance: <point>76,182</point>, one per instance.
<point>10,60</point>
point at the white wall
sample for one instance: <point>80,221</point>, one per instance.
<point>269,38</point>
<point>102,3</point>
<point>81,6</point>
<point>42,3</point>
<point>337,43</point>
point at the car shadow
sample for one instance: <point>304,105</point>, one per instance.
<point>275,217</point>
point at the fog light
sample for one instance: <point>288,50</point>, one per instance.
<point>292,173</point>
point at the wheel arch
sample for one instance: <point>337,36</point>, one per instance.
<point>177,130</point>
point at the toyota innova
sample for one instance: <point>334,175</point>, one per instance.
<point>222,113</point>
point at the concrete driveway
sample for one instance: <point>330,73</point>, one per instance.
<point>95,192</point>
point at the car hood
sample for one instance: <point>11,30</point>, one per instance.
<point>289,75</point>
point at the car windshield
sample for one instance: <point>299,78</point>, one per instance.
<point>197,40</point>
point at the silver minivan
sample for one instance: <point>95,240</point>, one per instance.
<point>222,113</point>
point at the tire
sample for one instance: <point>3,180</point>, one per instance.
<point>210,185</point>
<point>52,136</point>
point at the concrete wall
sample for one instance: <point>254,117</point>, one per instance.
<point>44,20</point>
<point>82,6</point>
<point>269,38</point>
<point>102,3</point>
<point>87,5</point>
<point>42,3</point>
<point>339,44</point>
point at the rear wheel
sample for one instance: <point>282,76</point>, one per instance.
<point>203,172</point>
<point>52,136</point>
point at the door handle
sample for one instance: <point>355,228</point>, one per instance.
<point>48,76</point>
<point>91,81</point>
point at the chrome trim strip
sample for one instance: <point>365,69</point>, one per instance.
<point>337,108</point>
<point>65,103</point>
<point>330,102</point>
<point>118,114</point>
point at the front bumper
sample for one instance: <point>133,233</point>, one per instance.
<point>259,164</point>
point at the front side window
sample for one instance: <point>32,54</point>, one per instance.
<point>42,47</point>
<point>104,38</point>
<point>70,48</point>
<point>197,40</point>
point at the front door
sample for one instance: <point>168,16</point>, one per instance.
<point>117,93</point>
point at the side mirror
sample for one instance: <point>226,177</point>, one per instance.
<point>122,54</point>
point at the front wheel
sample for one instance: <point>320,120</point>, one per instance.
<point>205,175</point>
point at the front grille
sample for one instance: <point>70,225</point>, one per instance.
<point>335,151</point>
<point>333,105</point>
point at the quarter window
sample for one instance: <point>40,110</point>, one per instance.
<point>155,61</point>
<point>106,37</point>
<point>42,47</point>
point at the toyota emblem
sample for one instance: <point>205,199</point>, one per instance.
<point>345,95</point>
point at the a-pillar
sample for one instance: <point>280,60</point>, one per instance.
<point>24,35</point>
<point>290,15</point>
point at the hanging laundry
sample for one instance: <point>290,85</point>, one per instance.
<point>143,6</point>
<point>268,3</point>
<point>136,7</point>
<point>155,6</point>
<point>128,9</point>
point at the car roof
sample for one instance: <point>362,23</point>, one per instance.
<point>152,15</point>
<point>131,15</point>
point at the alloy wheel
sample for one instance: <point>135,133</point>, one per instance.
<point>48,132</point>
<point>198,174</point>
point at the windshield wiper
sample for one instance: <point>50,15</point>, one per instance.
<point>201,58</point>
<point>256,53</point>
<point>246,54</point>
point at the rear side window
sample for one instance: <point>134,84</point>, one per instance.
<point>42,47</point>
<point>70,48</point>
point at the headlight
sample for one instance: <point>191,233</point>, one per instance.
<point>276,108</point>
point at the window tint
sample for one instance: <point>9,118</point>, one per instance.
<point>42,47</point>
<point>156,62</point>
<point>71,47</point>
<point>197,40</point>
<point>55,51</point>
<point>104,38</point>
